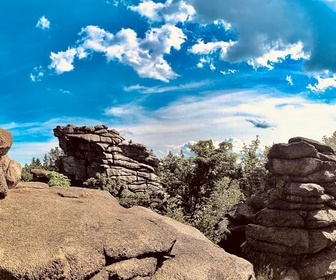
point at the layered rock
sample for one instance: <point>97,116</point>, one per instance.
<point>299,224</point>
<point>77,233</point>
<point>90,150</point>
<point>10,171</point>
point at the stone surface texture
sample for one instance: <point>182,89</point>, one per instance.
<point>10,170</point>
<point>299,224</point>
<point>78,233</point>
<point>97,149</point>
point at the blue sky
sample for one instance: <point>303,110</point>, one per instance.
<point>168,72</point>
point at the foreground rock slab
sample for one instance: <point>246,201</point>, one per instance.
<point>75,233</point>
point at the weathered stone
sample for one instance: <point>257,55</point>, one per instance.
<point>3,186</point>
<point>296,219</point>
<point>280,218</point>
<point>319,177</point>
<point>89,151</point>
<point>322,148</point>
<point>321,218</point>
<point>131,268</point>
<point>293,150</point>
<point>319,266</point>
<point>330,188</point>
<point>292,241</point>
<point>12,171</point>
<point>286,205</point>
<point>299,167</point>
<point>325,198</point>
<point>6,141</point>
<point>300,189</point>
<point>76,233</point>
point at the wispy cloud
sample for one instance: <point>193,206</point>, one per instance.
<point>289,79</point>
<point>260,123</point>
<point>174,88</point>
<point>37,74</point>
<point>43,23</point>
<point>224,114</point>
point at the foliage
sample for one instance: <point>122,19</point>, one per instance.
<point>57,179</point>
<point>34,164</point>
<point>103,182</point>
<point>226,193</point>
<point>50,159</point>
<point>330,141</point>
<point>49,163</point>
<point>252,168</point>
<point>26,175</point>
<point>203,187</point>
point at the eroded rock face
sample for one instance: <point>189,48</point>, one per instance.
<point>10,170</point>
<point>299,224</point>
<point>77,233</point>
<point>90,150</point>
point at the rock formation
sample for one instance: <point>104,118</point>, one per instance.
<point>10,171</point>
<point>298,228</point>
<point>90,150</point>
<point>78,233</point>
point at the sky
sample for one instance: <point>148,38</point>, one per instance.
<point>167,72</point>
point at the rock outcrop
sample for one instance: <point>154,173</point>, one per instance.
<point>78,233</point>
<point>10,171</point>
<point>90,150</point>
<point>298,228</point>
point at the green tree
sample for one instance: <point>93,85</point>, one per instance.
<point>199,185</point>
<point>253,174</point>
<point>50,159</point>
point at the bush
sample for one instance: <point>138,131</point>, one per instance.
<point>226,193</point>
<point>103,182</point>
<point>57,179</point>
<point>26,175</point>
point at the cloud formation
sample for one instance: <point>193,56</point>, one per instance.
<point>267,32</point>
<point>144,55</point>
<point>324,82</point>
<point>43,23</point>
<point>220,115</point>
<point>170,11</point>
<point>260,123</point>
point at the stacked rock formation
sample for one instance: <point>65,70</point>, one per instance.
<point>10,170</point>
<point>90,150</point>
<point>299,224</point>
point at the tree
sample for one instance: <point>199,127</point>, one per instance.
<point>50,159</point>
<point>330,141</point>
<point>199,185</point>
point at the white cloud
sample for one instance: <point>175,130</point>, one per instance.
<point>63,61</point>
<point>224,115</point>
<point>202,48</point>
<point>144,55</point>
<point>173,88</point>
<point>277,54</point>
<point>37,74</point>
<point>289,79</point>
<point>23,152</point>
<point>325,81</point>
<point>43,23</point>
<point>170,12</point>
<point>228,72</point>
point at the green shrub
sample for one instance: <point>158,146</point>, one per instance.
<point>26,175</point>
<point>226,193</point>
<point>103,182</point>
<point>57,179</point>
